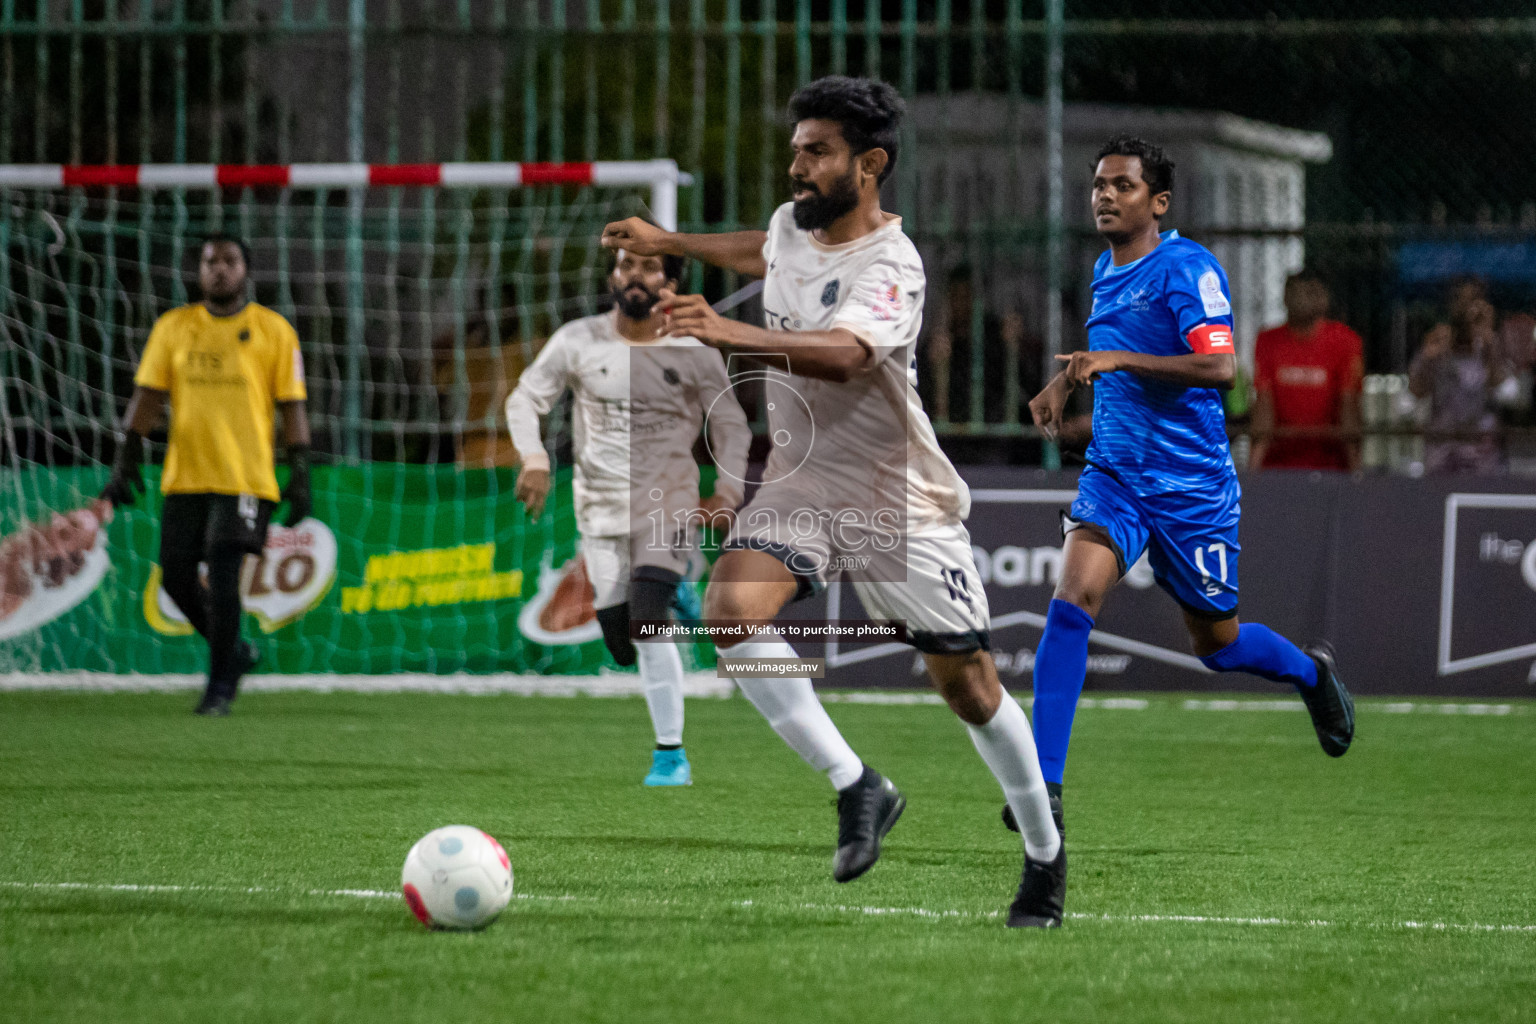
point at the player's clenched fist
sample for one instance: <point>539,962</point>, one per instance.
<point>532,490</point>
<point>690,316</point>
<point>637,236</point>
<point>1046,407</point>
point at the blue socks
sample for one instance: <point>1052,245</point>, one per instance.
<point>1263,652</point>
<point>1060,664</point>
<point>1061,661</point>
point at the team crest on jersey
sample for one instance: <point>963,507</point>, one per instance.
<point>829,293</point>
<point>670,376</point>
<point>245,334</point>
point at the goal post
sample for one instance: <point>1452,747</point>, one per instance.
<point>661,176</point>
<point>419,293</point>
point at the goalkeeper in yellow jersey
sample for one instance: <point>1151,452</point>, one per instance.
<point>225,364</point>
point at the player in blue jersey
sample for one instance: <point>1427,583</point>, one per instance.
<point>1160,477</point>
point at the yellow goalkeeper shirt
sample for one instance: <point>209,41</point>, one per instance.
<point>224,374</point>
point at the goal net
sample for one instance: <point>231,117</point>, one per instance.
<point>419,294</point>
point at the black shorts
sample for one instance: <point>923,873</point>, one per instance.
<point>205,523</point>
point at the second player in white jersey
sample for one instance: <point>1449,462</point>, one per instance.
<point>639,402</point>
<point>636,409</point>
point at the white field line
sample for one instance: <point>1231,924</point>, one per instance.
<point>838,908</point>
<point>604,684</point>
<point>876,697</point>
<point>627,684</point>
<point>1398,707</point>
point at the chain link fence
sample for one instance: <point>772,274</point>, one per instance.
<point>1380,143</point>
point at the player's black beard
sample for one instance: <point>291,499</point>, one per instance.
<point>228,298</point>
<point>635,309</point>
<point>819,211</point>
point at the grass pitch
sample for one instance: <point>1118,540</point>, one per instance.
<point>1221,867</point>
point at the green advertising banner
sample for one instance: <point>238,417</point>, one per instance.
<point>401,569</point>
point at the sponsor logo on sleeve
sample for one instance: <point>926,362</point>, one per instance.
<point>1212,296</point>
<point>887,304</point>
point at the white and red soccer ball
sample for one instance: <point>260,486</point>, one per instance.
<point>457,878</point>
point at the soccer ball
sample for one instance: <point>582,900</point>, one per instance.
<point>456,878</point>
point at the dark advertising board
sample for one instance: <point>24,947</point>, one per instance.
<point>1423,586</point>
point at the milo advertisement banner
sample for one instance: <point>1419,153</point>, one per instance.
<point>401,568</point>
<point>290,578</point>
<point>1424,586</point>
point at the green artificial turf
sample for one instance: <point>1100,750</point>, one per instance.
<point>715,903</point>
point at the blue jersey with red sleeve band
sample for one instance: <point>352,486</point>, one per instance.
<point>1158,437</point>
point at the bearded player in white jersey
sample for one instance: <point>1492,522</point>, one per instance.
<point>843,296</point>
<point>640,400</point>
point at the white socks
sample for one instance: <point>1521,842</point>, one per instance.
<point>791,707</point>
<point>661,673</point>
<point>1005,743</point>
<point>1008,747</point>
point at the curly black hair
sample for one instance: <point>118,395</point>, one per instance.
<point>869,112</point>
<point>223,238</point>
<point>673,266</point>
<point>1156,168</point>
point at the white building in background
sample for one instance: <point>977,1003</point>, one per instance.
<point>980,180</point>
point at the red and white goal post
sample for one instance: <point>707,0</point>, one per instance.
<point>662,176</point>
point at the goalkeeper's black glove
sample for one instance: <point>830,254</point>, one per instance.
<point>127,483</point>
<point>296,494</point>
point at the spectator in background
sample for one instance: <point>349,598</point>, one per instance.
<point>1462,372</point>
<point>1306,376</point>
<point>946,383</point>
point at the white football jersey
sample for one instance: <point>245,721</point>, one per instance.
<point>648,401</point>
<point>866,443</point>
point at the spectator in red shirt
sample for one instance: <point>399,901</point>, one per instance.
<point>1307,374</point>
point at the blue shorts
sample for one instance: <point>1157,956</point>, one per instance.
<point>1190,537</point>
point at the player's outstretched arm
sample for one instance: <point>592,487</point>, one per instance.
<point>741,251</point>
<point>1195,370</point>
<point>835,355</point>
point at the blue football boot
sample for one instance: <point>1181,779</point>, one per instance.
<point>669,768</point>
<point>685,602</point>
